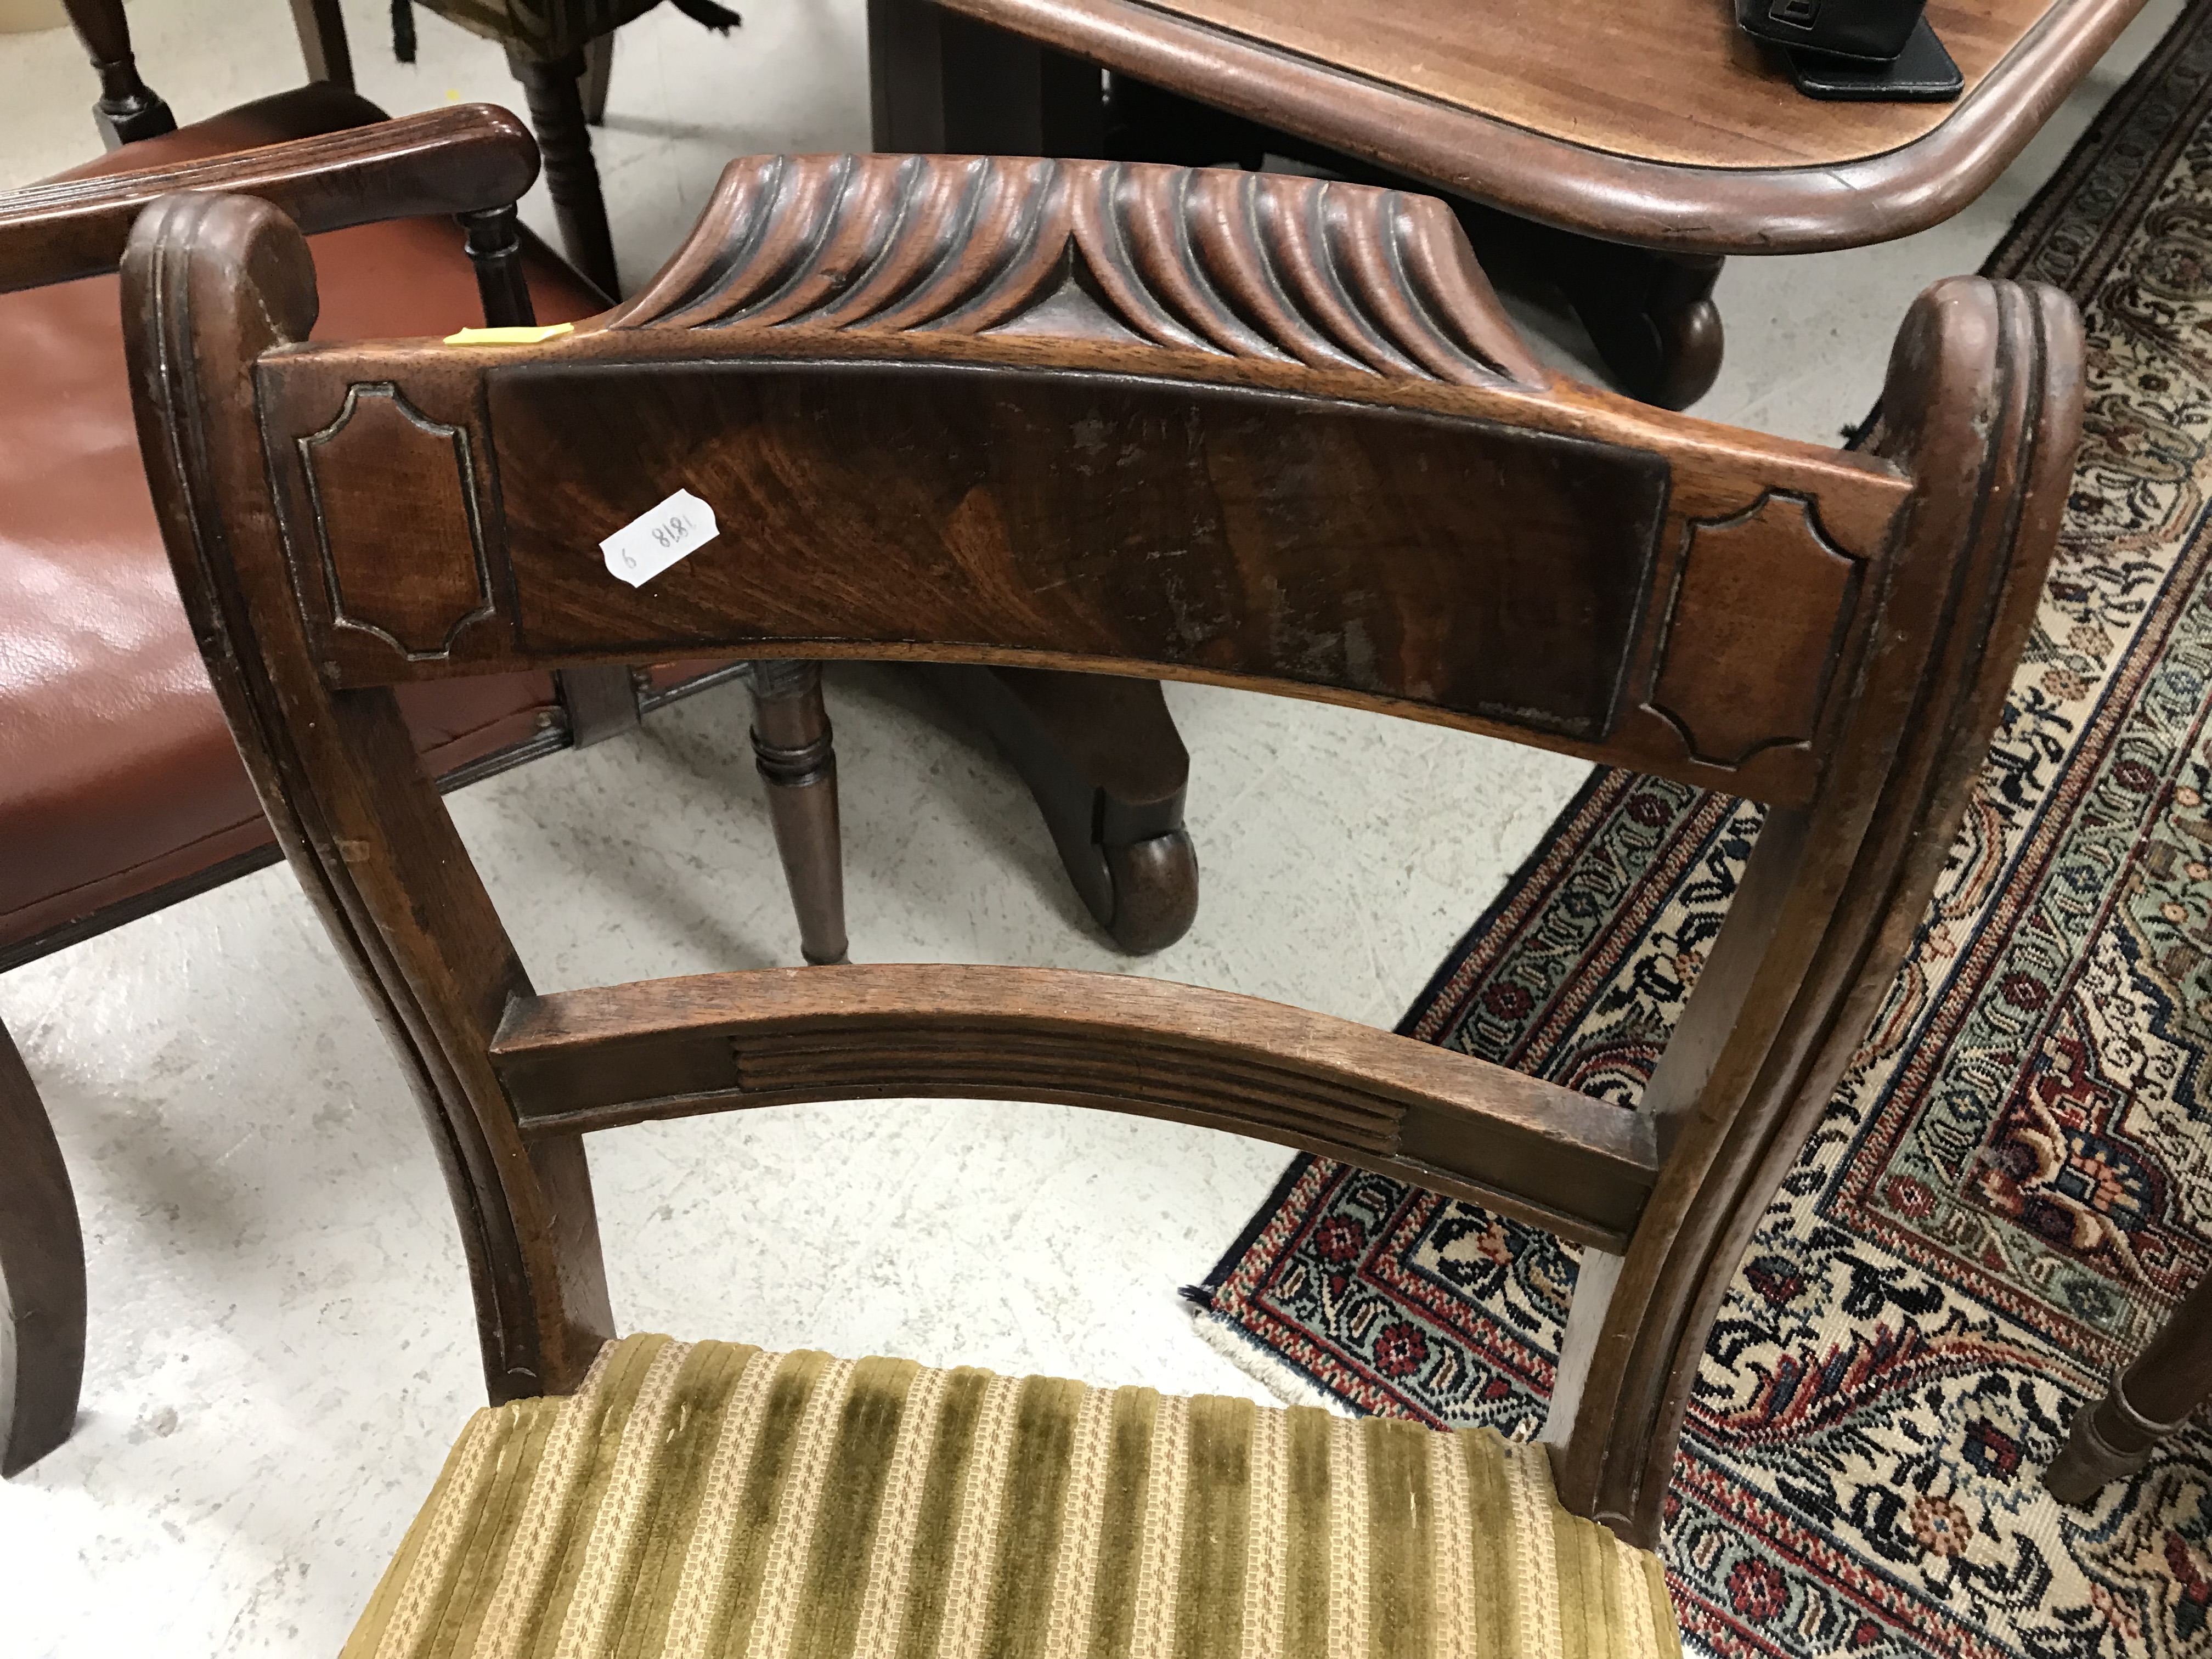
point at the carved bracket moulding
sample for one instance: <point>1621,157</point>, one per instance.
<point>1758,617</point>
<point>381,471</point>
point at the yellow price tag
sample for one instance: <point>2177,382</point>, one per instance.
<point>510,336</point>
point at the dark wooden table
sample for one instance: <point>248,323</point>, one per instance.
<point>1657,134</point>
<point>1617,153</point>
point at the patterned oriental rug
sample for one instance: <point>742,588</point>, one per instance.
<point>2014,1181</point>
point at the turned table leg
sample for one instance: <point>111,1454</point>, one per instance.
<point>557,113</point>
<point>2149,1401</point>
<point>792,747</point>
<point>41,1276</point>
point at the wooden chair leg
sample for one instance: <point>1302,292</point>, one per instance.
<point>598,75</point>
<point>41,1276</point>
<point>556,112</point>
<point>2150,1401</point>
<point>792,747</point>
<point>601,701</point>
<point>320,25</point>
<point>127,111</point>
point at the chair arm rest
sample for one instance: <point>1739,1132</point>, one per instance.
<point>449,161</point>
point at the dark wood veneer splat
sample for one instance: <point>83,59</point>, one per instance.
<point>1102,514</point>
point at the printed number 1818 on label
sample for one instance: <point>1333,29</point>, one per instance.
<point>656,539</point>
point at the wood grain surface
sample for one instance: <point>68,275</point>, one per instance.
<point>1148,395</point>
<point>1656,124</point>
<point>989,428</point>
<point>628,1054</point>
<point>1661,80</point>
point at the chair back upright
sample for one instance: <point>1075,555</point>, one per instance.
<point>1255,430</point>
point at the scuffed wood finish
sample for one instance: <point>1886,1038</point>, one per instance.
<point>438,977</point>
<point>1983,407</point>
<point>590,1060</point>
<point>1654,123</point>
<point>1754,629</point>
<point>451,161</point>
<point>429,482</point>
<point>1062,480</point>
<point>1134,465</point>
<point>41,1276</point>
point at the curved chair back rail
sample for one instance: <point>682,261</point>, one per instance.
<point>1256,430</point>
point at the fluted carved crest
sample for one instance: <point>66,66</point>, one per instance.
<point>1270,266</point>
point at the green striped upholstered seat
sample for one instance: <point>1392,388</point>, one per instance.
<point>708,1498</point>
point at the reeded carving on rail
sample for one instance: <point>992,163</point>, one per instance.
<point>1271,266</point>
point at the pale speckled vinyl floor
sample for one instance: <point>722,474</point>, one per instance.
<point>282,1345</point>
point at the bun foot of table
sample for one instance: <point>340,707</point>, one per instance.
<point>1108,770</point>
<point>1650,316</point>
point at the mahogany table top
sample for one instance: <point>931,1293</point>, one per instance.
<point>1653,121</point>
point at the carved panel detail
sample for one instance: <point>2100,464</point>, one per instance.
<point>1237,264</point>
<point>1758,618</point>
<point>383,472</point>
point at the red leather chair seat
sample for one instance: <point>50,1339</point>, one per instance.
<point>118,779</point>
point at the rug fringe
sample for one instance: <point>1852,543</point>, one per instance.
<point>1272,1372</point>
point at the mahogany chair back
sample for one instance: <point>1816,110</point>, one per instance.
<point>1259,431</point>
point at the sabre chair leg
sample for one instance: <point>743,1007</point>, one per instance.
<point>792,747</point>
<point>2150,1401</point>
<point>41,1276</point>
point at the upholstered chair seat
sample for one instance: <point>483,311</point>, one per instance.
<point>711,1498</point>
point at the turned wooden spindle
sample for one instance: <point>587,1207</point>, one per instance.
<point>792,747</point>
<point>564,138</point>
<point>495,248</point>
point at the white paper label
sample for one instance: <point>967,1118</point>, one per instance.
<point>649,543</point>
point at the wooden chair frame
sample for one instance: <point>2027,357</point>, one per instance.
<point>473,161</point>
<point>1258,431</point>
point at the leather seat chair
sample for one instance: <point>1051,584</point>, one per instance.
<point>123,790</point>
